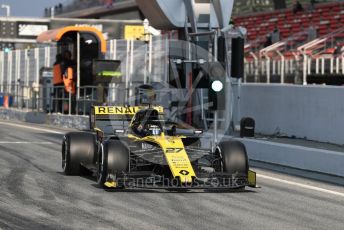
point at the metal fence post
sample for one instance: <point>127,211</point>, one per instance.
<point>273,67</point>
<point>37,64</point>
<point>282,70</point>
<point>127,72</point>
<point>50,95</point>
<point>167,54</point>
<point>17,76</point>
<point>268,70</point>
<point>131,67</point>
<point>331,65</point>
<point>305,69</point>
<point>113,49</point>
<point>63,99</point>
<point>2,66</point>
<point>9,72</point>
<point>17,65</point>
<point>27,68</point>
<point>47,56</point>
<point>247,69</point>
<point>70,101</point>
<point>114,57</point>
<point>150,60</point>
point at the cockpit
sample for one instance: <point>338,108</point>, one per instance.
<point>147,123</point>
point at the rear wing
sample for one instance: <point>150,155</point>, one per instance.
<point>118,115</point>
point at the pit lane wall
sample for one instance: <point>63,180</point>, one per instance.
<point>310,112</point>
<point>59,120</point>
<point>299,157</point>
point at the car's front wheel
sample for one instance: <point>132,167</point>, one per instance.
<point>234,159</point>
<point>113,161</point>
<point>77,149</point>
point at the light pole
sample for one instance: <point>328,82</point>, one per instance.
<point>52,10</point>
<point>8,9</point>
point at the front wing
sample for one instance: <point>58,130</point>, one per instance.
<point>217,180</point>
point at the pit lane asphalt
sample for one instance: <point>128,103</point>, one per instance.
<point>34,194</point>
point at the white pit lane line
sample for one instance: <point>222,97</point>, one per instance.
<point>25,142</point>
<point>310,187</point>
<point>32,128</point>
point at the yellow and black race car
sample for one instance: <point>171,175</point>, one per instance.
<point>134,147</point>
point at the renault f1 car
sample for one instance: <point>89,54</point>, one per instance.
<point>135,147</point>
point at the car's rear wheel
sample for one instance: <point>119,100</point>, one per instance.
<point>77,149</point>
<point>113,160</point>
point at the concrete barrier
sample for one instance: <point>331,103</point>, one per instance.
<point>299,157</point>
<point>59,120</point>
<point>310,112</point>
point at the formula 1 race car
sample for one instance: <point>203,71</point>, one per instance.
<point>135,147</point>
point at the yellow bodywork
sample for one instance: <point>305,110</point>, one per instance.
<point>175,155</point>
<point>252,181</point>
<point>111,184</point>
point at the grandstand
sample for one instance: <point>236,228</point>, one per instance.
<point>325,17</point>
<point>323,58</point>
<point>248,6</point>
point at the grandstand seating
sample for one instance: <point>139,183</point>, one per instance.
<point>325,18</point>
<point>315,59</point>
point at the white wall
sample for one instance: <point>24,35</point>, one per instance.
<point>312,112</point>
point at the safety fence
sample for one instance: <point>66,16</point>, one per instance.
<point>293,71</point>
<point>320,58</point>
<point>55,99</point>
<point>52,99</point>
<point>23,66</point>
<point>27,76</point>
<point>140,62</point>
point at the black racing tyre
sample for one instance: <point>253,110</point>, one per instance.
<point>113,159</point>
<point>234,157</point>
<point>77,148</point>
